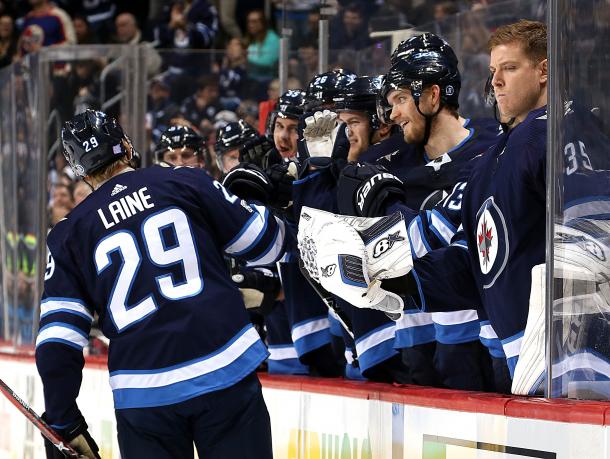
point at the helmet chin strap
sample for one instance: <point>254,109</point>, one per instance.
<point>428,117</point>
<point>505,126</point>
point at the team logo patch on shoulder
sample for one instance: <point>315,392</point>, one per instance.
<point>491,241</point>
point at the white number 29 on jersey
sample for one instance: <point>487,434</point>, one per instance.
<point>160,254</point>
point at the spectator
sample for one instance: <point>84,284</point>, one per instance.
<point>248,111</point>
<point>263,48</point>
<point>305,65</point>
<point>204,103</point>
<point>99,14</point>
<point>82,30</point>
<point>46,25</point>
<point>296,14</point>
<point>232,75</point>
<point>349,30</point>
<point>161,108</point>
<point>8,40</point>
<point>62,196</point>
<point>191,24</point>
<point>128,33</point>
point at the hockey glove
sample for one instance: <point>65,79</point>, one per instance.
<point>281,176</point>
<point>335,255</point>
<point>249,182</point>
<point>260,288</point>
<point>78,437</point>
<point>256,151</point>
<point>322,139</point>
<point>364,190</point>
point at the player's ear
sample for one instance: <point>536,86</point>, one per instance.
<point>544,72</point>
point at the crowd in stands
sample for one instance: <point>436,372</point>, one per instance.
<point>213,63</point>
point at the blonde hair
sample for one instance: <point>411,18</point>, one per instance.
<point>530,34</point>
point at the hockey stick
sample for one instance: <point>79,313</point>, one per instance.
<point>328,299</point>
<point>38,422</point>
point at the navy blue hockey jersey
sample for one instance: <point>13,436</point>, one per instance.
<point>488,259</point>
<point>145,252</point>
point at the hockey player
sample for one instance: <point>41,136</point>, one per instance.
<point>144,252</point>
<point>478,247</point>
<point>180,146</point>
<point>229,139</point>
<point>423,87</point>
<point>283,122</point>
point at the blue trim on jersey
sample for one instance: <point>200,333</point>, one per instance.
<point>422,299</point>
<point>61,341</point>
<point>461,244</point>
<point>61,298</point>
<point>414,336</point>
<point>178,392</point>
<point>286,367</point>
<point>446,222</point>
<point>312,341</point>
<point>309,177</point>
<point>466,139</point>
<point>64,325</point>
<point>271,245</point>
<point>494,347</point>
<point>335,326</point>
<point>68,311</point>
<point>457,333</point>
<point>422,235</point>
<point>379,352</point>
<point>346,280</point>
<point>245,229</point>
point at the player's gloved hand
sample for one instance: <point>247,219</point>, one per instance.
<point>256,151</point>
<point>249,182</point>
<point>281,176</point>
<point>364,190</point>
<point>260,287</point>
<point>322,138</point>
<point>351,256</point>
<point>78,437</point>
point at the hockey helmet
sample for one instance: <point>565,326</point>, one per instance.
<point>178,137</point>
<point>361,96</point>
<point>91,141</point>
<point>423,61</point>
<point>325,87</point>
<point>232,136</point>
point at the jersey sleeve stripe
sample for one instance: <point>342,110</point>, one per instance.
<point>419,245</point>
<point>62,333</point>
<point>250,234</point>
<point>275,249</point>
<point>376,345</point>
<point>441,227</point>
<point>414,319</point>
<point>54,305</point>
<point>282,352</point>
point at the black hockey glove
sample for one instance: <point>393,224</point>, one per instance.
<point>363,190</point>
<point>281,176</point>
<point>249,182</point>
<point>78,437</point>
<point>256,151</point>
<point>322,139</point>
<point>265,282</point>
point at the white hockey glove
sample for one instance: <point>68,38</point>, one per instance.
<point>336,256</point>
<point>320,133</point>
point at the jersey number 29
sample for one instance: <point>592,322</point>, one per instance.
<point>160,254</point>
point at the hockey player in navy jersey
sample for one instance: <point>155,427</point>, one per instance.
<point>180,146</point>
<point>478,246</point>
<point>423,87</point>
<point>145,252</point>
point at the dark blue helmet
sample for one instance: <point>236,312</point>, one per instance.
<point>419,62</point>
<point>233,136</point>
<point>291,104</point>
<point>92,140</point>
<point>177,137</point>
<point>361,96</point>
<point>325,87</point>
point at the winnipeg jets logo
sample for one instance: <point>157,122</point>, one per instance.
<point>385,244</point>
<point>328,271</point>
<point>484,242</point>
<point>491,238</point>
